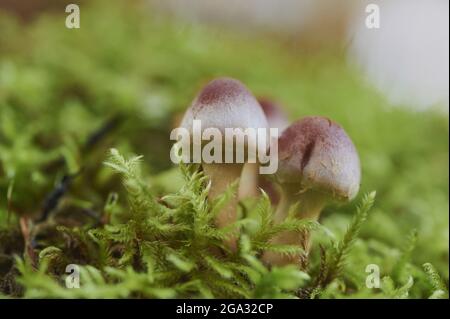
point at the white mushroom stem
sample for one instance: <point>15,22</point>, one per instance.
<point>311,204</point>
<point>249,184</point>
<point>222,176</point>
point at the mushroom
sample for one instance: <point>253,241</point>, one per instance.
<point>317,164</point>
<point>251,180</point>
<point>225,103</point>
<point>276,117</point>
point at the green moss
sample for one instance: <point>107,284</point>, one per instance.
<point>59,88</point>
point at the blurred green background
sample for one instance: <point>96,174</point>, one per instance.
<point>59,85</point>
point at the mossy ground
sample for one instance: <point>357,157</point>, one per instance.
<point>68,96</point>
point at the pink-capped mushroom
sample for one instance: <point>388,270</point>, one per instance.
<point>225,103</point>
<point>318,164</point>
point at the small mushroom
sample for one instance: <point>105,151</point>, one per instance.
<point>225,103</point>
<point>251,180</point>
<point>276,117</point>
<point>318,164</point>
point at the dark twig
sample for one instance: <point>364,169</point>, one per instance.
<point>55,196</point>
<point>93,139</point>
<point>102,131</point>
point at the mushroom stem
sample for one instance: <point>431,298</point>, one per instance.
<point>311,204</point>
<point>249,184</point>
<point>221,176</point>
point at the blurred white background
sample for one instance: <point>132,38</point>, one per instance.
<point>407,58</point>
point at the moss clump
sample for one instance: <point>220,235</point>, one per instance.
<point>64,102</point>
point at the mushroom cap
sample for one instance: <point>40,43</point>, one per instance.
<point>316,153</point>
<point>276,117</point>
<point>225,103</point>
